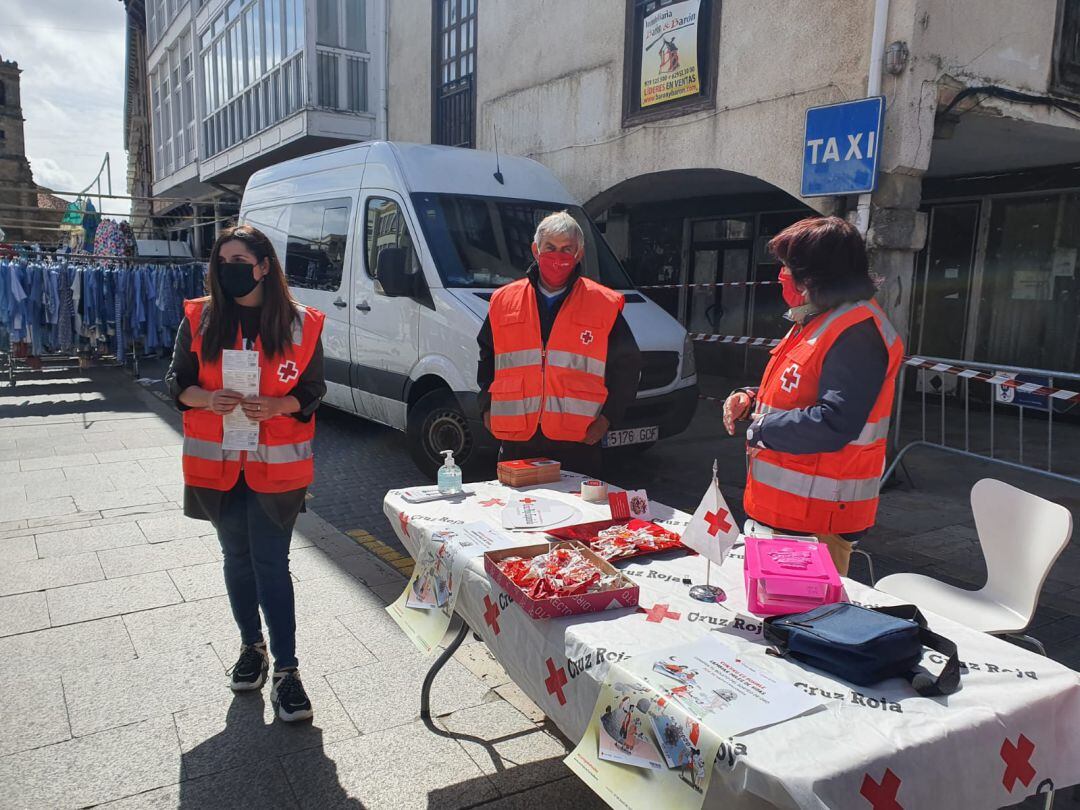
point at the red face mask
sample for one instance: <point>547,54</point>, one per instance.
<point>555,268</point>
<point>792,297</point>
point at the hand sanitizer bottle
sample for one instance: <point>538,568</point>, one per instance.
<point>449,475</point>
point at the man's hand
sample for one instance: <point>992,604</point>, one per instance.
<point>736,407</point>
<point>487,421</point>
<point>223,401</point>
<point>597,430</point>
<point>259,409</point>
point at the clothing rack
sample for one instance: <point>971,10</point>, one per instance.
<point>103,330</point>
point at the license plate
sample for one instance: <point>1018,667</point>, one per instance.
<point>621,438</point>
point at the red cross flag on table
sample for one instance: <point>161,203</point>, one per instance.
<point>711,533</point>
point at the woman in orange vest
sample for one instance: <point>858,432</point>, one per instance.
<point>820,417</point>
<point>252,496</point>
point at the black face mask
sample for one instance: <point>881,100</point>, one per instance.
<point>237,279</point>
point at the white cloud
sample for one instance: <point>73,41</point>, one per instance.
<point>71,53</point>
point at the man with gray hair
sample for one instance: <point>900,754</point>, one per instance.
<point>558,362</point>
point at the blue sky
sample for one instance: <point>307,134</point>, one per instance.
<point>71,53</point>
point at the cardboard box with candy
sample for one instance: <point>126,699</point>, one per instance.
<point>620,539</point>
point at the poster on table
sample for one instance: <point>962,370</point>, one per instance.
<point>426,606</point>
<point>660,718</point>
<point>669,58</point>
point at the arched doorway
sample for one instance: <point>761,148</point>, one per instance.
<point>694,240</point>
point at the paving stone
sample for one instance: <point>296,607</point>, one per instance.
<point>123,562</point>
<point>570,792</point>
<point>370,570</point>
<point>61,462</point>
<point>132,496</point>
<point>332,596</point>
<point>23,613</point>
<point>162,469</point>
<point>57,523</point>
<point>390,591</point>
<point>111,597</point>
<point>199,581</point>
<point>387,771</point>
<point>182,625</point>
<point>323,646</point>
<point>134,454</point>
<point>66,542</point>
<point>249,788</point>
<point>515,753</point>
<point>102,696</point>
<point>9,466</point>
<point>172,526</point>
<point>18,549</point>
<point>53,507</point>
<point>454,689</point>
<point>243,730</point>
<point>94,769</point>
<point>60,648</point>
<point>312,563</point>
<point>380,634</point>
<point>336,544</point>
<point>54,572</point>
<point>513,694</point>
<point>42,477</point>
<point>477,658</point>
<point>36,703</point>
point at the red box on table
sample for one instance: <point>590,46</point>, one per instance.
<point>622,597</point>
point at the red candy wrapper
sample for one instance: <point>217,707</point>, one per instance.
<point>619,539</point>
<point>560,572</point>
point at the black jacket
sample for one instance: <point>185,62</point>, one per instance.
<point>621,373</point>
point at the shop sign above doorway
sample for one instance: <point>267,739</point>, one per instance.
<point>841,147</point>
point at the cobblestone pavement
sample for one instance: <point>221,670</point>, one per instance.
<point>107,589</point>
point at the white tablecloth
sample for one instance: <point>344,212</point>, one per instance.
<point>1014,724</point>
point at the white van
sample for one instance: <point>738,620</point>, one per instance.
<point>402,245</point>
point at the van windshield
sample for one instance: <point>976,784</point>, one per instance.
<point>485,241</point>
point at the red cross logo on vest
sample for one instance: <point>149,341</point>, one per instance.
<point>657,613</point>
<point>287,371</point>
<point>1017,762</point>
<point>717,521</point>
<point>491,614</point>
<point>882,796</point>
<point>586,337</point>
<point>791,378</point>
<point>555,681</point>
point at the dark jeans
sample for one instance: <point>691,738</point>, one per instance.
<point>587,459</point>
<point>256,550</point>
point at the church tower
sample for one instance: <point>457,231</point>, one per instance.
<point>17,188</point>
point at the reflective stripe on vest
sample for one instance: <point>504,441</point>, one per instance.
<point>515,407</point>
<point>525,357</point>
<point>814,486</point>
<point>266,453</point>
<point>871,432</point>
<point>210,451</point>
<point>577,362</point>
<point>571,405</point>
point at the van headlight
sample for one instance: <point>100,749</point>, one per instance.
<point>689,364</point>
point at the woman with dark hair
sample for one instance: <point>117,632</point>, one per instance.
<point>821,414</point>
<point>253,496</point>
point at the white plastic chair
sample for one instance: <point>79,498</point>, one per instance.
<point>1021,536</point>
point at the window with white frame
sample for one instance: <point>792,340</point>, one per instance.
<point>251,55</point>
<point>342,67</point>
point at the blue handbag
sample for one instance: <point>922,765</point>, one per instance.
<point>866,645</point>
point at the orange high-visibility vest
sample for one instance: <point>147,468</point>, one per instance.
<point>284,459</point>
<point>821,493</point>
<point>559,387</point>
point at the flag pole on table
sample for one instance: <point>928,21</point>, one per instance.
<point>711,533</point>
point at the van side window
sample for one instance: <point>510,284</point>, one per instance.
<point>315,249</point>
<point>386,227</point>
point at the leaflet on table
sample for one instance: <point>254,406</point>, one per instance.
<point>240,373</point>
<point>665,715</point>
<point>531,512</point>
<point>428,494</point>
<point>424,608</point>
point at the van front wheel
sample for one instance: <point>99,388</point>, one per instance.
<point>437,423</point>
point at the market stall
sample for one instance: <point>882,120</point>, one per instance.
<point>1008,732</point>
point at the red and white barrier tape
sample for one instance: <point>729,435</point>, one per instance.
<point>704,284</point>
<point>915,362</point>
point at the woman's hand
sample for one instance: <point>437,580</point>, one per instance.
<point>259,409</point>
<point>736,407</point>
<point>223,401</point>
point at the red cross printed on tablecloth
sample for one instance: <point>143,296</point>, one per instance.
<point>493,502</point>
<point>657,613</point>
<point>555,681</point>
<point>491,614</point>
<point>717,520</point>
<point>403,519</point>
<point>287,371</point>
<point>527,500</point>
<point>1017,762</point>
<point>882,796</point>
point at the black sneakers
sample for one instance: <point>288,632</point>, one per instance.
<point>289,698</point>
<point>249,671</point>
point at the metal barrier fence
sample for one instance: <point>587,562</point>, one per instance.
<point>994,375</point>
<point>1007,377</point>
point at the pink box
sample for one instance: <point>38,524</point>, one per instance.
<point>789,576</point>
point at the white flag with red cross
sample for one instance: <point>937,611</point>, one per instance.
<point>712,530</point>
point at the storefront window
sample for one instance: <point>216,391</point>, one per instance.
<point>656,258</point>
<point>1029,307</point>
